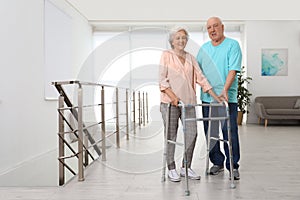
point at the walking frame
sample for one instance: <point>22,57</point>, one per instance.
<point>209,138</point>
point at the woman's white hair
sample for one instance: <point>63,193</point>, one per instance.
<point>175,30</point>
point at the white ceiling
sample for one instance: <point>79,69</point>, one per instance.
<point>187,10</point>
<point>118,14</point>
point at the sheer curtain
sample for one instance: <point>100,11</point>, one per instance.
<point>132,56</point>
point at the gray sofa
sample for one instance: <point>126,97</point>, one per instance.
<point>277,108</point>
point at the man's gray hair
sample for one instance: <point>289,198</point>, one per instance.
<point>216,17</point>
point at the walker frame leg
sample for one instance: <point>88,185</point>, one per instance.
<point>187,191</point>
<point>232,185</point>
<point>208,143</point>
<point>228,141</point>
<point>163,177</point>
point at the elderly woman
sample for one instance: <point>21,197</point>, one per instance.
<point>178,74</point>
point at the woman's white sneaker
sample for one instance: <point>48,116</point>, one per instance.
<point>173,175</point>
<point>191,174</point>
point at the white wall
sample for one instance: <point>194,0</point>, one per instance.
<point>272,34</point>
<point>28,123</point>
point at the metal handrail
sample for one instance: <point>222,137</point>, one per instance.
<point>84,137</point>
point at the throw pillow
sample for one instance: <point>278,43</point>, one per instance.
<point>297,104</point>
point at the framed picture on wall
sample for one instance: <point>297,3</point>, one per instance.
<point>274,62</point>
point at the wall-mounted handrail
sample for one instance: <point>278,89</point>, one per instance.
<point>85,137</point>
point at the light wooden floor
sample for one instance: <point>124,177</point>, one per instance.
<point>270,169</point>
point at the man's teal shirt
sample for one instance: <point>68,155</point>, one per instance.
<point>216,62</point>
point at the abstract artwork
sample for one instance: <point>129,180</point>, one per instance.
<point>274,62</point>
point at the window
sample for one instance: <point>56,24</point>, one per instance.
<point>130,58</point>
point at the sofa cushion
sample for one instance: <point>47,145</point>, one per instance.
<point>297,104</point>
<point>283,111</point>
